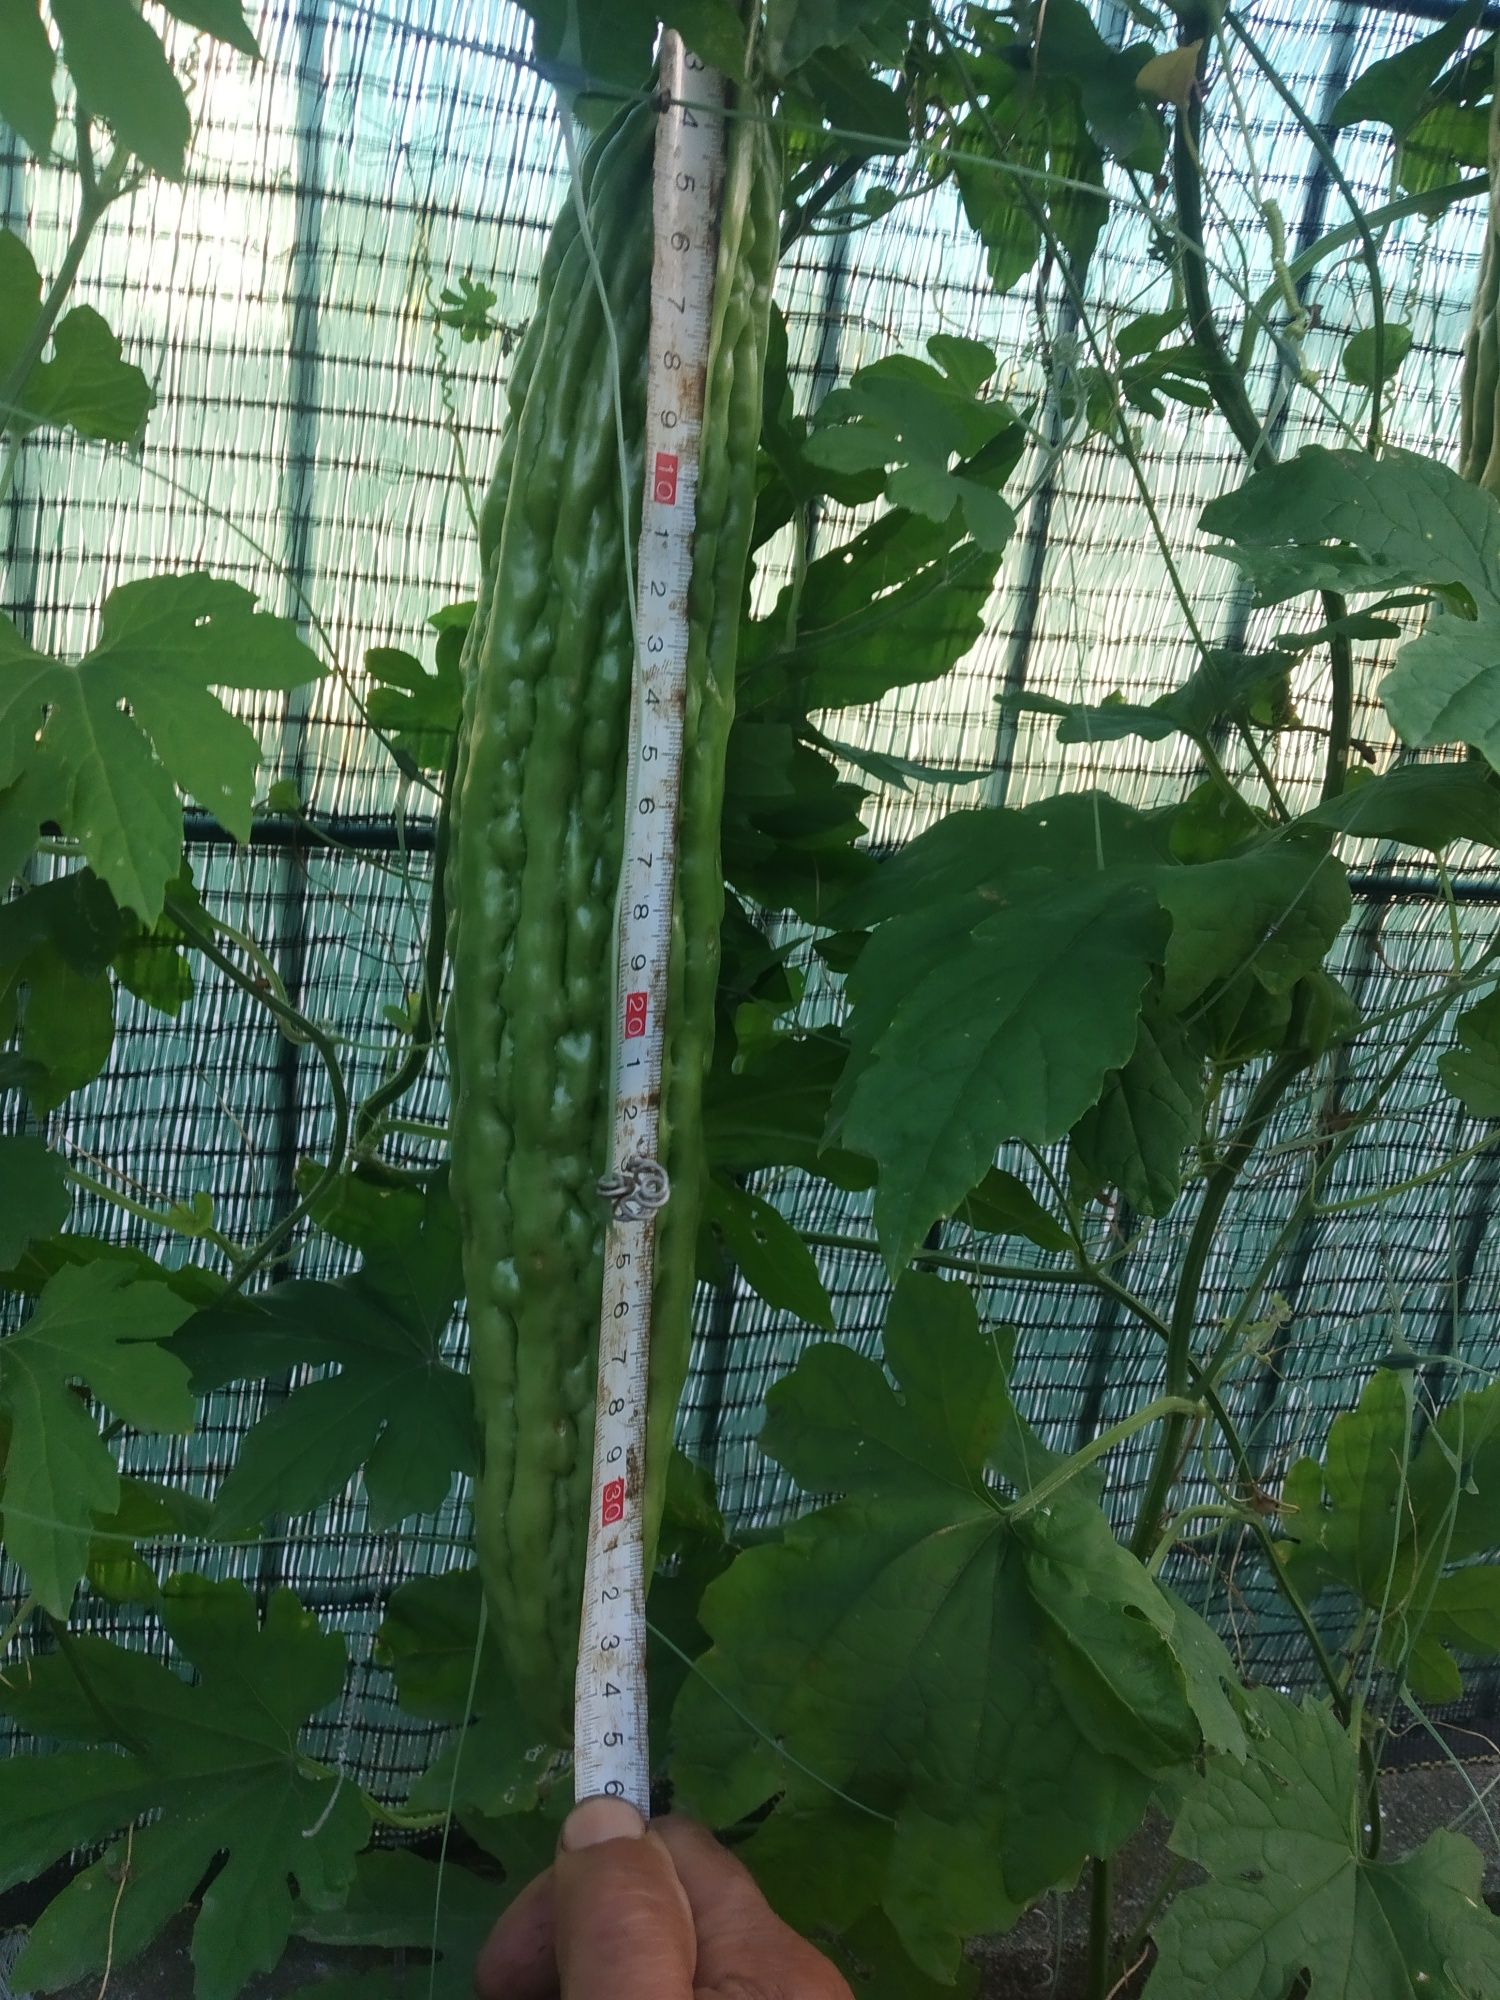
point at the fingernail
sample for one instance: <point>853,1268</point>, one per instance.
<point>597,1820</point>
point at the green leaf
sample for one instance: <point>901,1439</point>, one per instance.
<point>1455,1478</point>
<point>492,1769</point>
<point>901,773</point>
<point>1425,805</point>
<point>899,604</point>
<point>26,101</point>
<point>774,1111</point>
<point>1341,520</point>
<point>55,942</point>
<point>797,29</point>
<point>917,420</point>
<point>1137,1137</point>
<point>1347,1521</point>
<point>420,710</point>
<point>1001,1686</point>
<point>1038,130</point>
<point>1384,1521</point>
<point>772,1258</point>
<point>1395,90</point>
<point>977,858</point>
<point>1292,1893</point>
<point>1001,1205</point>
<point>1444,139</point>
<point>959,1043</point>
<point>1471,1070</point>
<point>1245,686</point>
<point>403,1903</point>
<point>1465,1610</point>
<point>163,643</point>
<point>90,1324</point>
<point>34,1194</point>
<point>123,77</point>
<point>223,19</point>
<point>85,386</point>
<point>1119,120</point>
<point>221,1762</point>
<point>394,1407</point>
<point>592,49</point>
<point>1272,912</point>
<point>1398,521</point>
<point>1360,357</point>
<point>790,824</point>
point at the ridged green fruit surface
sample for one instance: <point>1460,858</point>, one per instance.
<point>535,860</point>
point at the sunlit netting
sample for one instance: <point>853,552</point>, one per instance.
<point>305,442</point>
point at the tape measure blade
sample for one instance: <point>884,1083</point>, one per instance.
<point>611,1750</point>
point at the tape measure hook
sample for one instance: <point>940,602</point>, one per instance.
<point>637,1188</point>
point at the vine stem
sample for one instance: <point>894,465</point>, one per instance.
<point>297,1028</point>
<point>1227,387</point>
<point>1220,1185</point>
<point>945,1260</point>
<point>143,1212</point>
<point>13,1630</point>
<point>1061,1475</point>
<point>434,956</point>
<point>96,194</point>
<point>1101,1928</point>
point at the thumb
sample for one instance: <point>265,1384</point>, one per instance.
<point>624,1928</point>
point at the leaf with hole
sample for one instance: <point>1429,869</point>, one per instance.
<point>772,1258</point>
<point>1292,1896</point>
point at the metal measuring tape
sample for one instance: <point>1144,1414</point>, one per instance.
<point>611,1752</point>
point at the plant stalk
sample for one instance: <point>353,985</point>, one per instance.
<point>434,956</point>
<point>1264,1100</point>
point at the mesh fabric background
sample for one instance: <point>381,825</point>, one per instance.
<point>280,302</point>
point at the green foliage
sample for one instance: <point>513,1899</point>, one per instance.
<point>898,604</point>
<point>941,1692</point>
<point>92,1324</point>
<point>1292,1892</point>
<point>34,1196</point>
<point>395,1901</point>
<point>504,1786</point>
<point>912,422</point>
<point>26,101</point>
<point>85,386</point>
<point>1001,995</point>
<point>1397,89</point>
<point>999,1649</point>
<point>1226,686</point>
<point>420,710</point>
<point>69,752</point>
<point>58,944</point>
<point>1425,805</point>
<point>394,1407</point>
<point>1148,1116</point>
<point>1471,1070</point>
<point>772,1258</point>
<point>219,1763</point>
<point>1370,362</point>
<point>1394,1503</point>
<point>968,1035</point>
<point>1340,520</point>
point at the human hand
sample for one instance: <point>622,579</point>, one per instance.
<point>627,1913</point>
